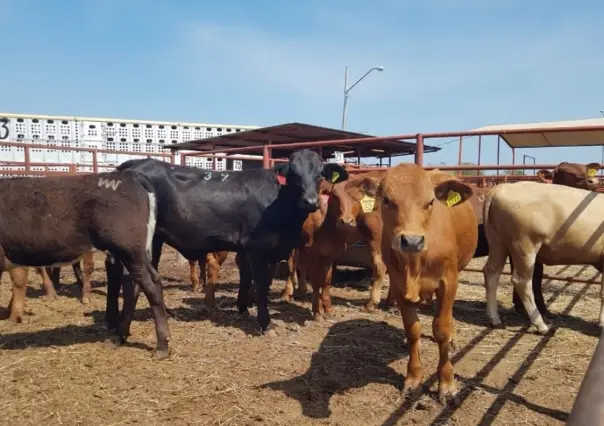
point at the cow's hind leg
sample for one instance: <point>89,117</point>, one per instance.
<point>47,283</point>
<point>86,276</point>
<point>18,277</point>
<point>292,281</point>
<point>115,279</point>
<point>492,272</point>
<point>537,291</point>
<point>524,257</point>
<point>146,277</point>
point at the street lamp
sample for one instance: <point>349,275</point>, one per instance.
<point>348,89</point>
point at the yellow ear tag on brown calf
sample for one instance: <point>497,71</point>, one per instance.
<point>367,203</point>
<point>334,177</point>
<point>453,198</point>
<point>592,172</point>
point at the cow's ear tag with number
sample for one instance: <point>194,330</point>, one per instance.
<point>453,198</point>
<point>367,203</point>
<point>334,177</point>
<point>282,180</point>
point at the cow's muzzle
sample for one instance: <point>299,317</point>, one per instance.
<point>409,243</point>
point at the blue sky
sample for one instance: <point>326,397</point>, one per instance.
<point>449,65</point>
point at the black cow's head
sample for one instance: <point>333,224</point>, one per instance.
<point>304,173</point>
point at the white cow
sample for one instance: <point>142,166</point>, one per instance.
<point>554,224</point>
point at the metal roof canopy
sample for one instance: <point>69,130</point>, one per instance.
<point>589,132</point>
<point>300,132</point>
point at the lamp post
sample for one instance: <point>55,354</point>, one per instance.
<point>348,89</point>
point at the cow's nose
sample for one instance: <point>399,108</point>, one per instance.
<point>412,243</point>
<point>347,221</point>
<point>311,203</point>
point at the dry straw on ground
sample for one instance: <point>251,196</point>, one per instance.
<point>55,369</point>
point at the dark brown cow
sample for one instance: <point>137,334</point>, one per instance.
<point>429,236</point>
<point>327,234</point>
<point>51,278</point>
<point>55,220</point>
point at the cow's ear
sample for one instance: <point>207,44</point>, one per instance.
<point>592,169</point>
<point>361,187</point>
<point>281,169</point>
<point>453,192</point>
<point>545,176</point>
<point>334,173</point>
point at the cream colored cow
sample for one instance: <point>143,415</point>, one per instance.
<point>553,224</point>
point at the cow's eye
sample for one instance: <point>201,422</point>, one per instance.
<point>430,203</point>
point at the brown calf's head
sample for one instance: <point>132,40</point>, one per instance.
<point>407,195</point>
<point>576,175</point>
<point>343,204</point>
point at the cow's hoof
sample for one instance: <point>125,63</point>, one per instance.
<point>15,319</point>
<point>286,297</point>
<point>318,317</point>
<point>85,300</point>
<point>270,331</point>
<point>498,326</point>
<point>113,342</point>
<point>160,354</point>
<point>543,330</point>
<point>449,394</point>
<point>369,308</point>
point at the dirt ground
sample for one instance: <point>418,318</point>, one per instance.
<point>55,368</point>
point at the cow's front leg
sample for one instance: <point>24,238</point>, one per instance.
<point>443,332</point>
<point>262,274</point>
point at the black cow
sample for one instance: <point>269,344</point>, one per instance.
<point>55,220</point>
<point>251,212</point>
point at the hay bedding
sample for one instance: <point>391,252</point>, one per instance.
<point>55,369</point>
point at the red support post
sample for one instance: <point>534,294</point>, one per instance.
<point>266,158</point>
<point>95,163</point>
<point>459,155</point>
<point>419,149</point>
<point>27,159</point>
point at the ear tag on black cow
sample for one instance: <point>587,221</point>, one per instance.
<point>281,180</point>
<point>367,203</point>
<point>453,198</point>
<point>334,177</point>
<point>592,172</point>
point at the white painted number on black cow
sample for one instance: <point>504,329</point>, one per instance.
<point>208,176</point>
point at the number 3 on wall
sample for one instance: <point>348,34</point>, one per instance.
<point>4,131</point>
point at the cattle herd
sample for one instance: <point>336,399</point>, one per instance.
<point>421,227</point>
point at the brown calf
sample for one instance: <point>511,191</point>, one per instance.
<point>211,263</point>
<point>51,278</point>
<point>429,235</point>
<point>344,219</point>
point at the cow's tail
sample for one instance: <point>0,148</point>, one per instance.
<point>152,203</point>
<point>490,232</point>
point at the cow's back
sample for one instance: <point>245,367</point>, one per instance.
<point>42,215</point>
<point>565,221</point>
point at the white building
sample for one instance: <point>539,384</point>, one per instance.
<point>117,135</point>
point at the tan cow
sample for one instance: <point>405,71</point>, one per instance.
<point>550,224</point>
<point>429,235</point>
<point>327,233</point>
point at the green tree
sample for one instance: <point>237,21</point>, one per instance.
<point>514,172</point>
<point>470,172</point>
